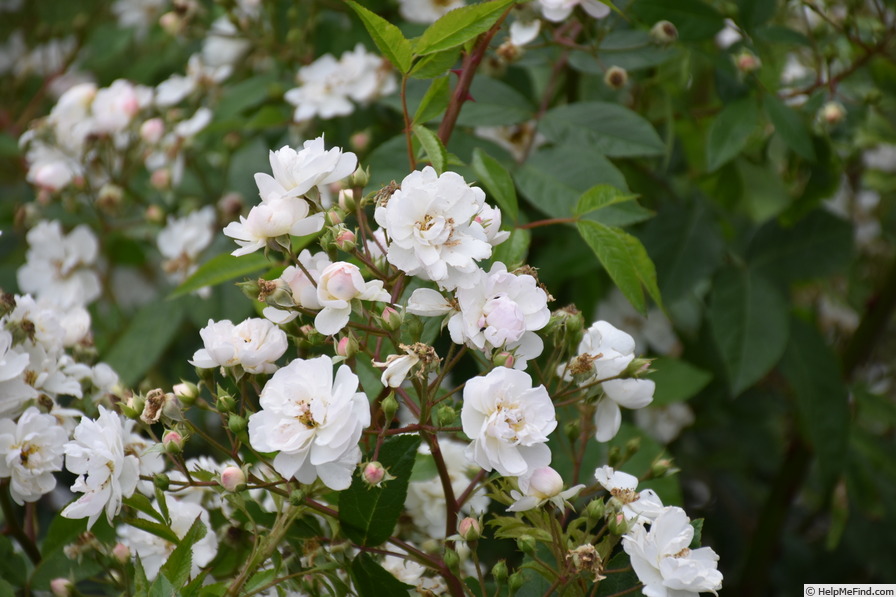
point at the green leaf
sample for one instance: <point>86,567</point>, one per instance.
<point>625,259</point>
<point>141,503</point>
<point>789,124</point>
<point>729,132</point>
<point>387,37</point>
<point>698,533</point>
<point>599,197</point>
<point>143,342</point>
<point>162,587</point>
<point>159,530</point>
<point>434,102</point>
<point>433,147</point>
<point>497,182</point>
<point>749,324</point>
<point>553,179</point>
<point>221,268</point>
<point>686,247</point>
<point>606,127</point>
<point>695,20</point>
<point>512,252</point>
<point>495,104</point>
<point>676,380</point>
<point>177,567</point>
<point>511,527</point>
<point>459,26</point>
<point>12,565</point>
<point>368,514</point>
<point>621,582</point>
<point>822,399</point>
<point>368,375</point>
<point>435,65</point>
<point>819,245</point>
<point>372,580</point>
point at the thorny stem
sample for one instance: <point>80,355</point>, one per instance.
<point>465,79</point>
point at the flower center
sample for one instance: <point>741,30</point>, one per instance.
<point>434,230</point>
<point>626,496</point>
<point>682,554</point>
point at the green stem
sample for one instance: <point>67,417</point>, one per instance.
<point>269,545</point>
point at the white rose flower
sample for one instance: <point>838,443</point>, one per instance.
<point>630,393</point>
<point>509,422</point>
<point>32,451</point>
<point>397,367</point>
<point>182,240</point>
<point>338,285</point>
<point>641,507</point>
<point>297,172</point>
<point>303,288</point>
<point>559,10</point>
<point>14,392</point>
<point>313,421</point>
<point>664,423</point>
<point>426,11</point>
<point>154,551</point>
<point>501,310</point>
<point>114,107</point>
<point>431,223</point>
<point>368,75</point>
<point>611,348</point>
<point>254,344</point>
<point>59,266</point>
<point>664,562</point>
<point>106,474</point>
<point>272,218</point>
<point>322,91</point>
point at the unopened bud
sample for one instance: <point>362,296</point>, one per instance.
<point>526,544</point>
<point>391,319</point>
<point>187,392</point>
<point>347,346</point>
<point>504,359</point>
<point>171,23</point>
<point>359,141</point>
<point>225,402</point>
<point>470,529</point>
<point>447,415</point>
<point>61,587</point>
<point>152,130</point>
<point>499,572</point>
<point>663,33</point>
<point>452,560</point>
<point>237,424</point>
<point>161,481</point>
<point>832,113</point>
<point>122,553</point>
<point>616,77</point>
<point>154,214</point>
<point>617,524</point>
<point>344,240</point>
<point>509,51</point>
<point>160,179</point>
<point>233,478</point>
<point>250,288</point>
<point>545,483</point>
<point>594,511</point>
<point>173,442</point>
<point>572,430</point>
<point>389,406</point>
<point>632,446</point>
<point>373,473</point>
<point>614,457</point>
<point>359,178</point>
<point>297,497</point>
<point>637,367</point>
<point>346,200</point>
<point>334,217</point>
<point>661,467</point>
<point>746,61</point>
<point>516,581</point>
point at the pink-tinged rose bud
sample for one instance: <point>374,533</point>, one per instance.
<point>152,130</point>
<point>391,319</point>
<point>171,23</point>
<point>346,200</point>
<point>154,214</point>
<point>470,529</point>
<point>233,478</point>
<point>359,141</point>
<point>747,62</point>
<point>373,473</point>
<point>160,179</point>
<point>61,587</point>
<point>121,552</point>
<point>347,347</point>
<point>618,525</point>
<point>504,359</point>
<point>334,217</point>
<point>173,441</point>
<point>345,240</point>
<point>545,483</point>
<point>186,391</point>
